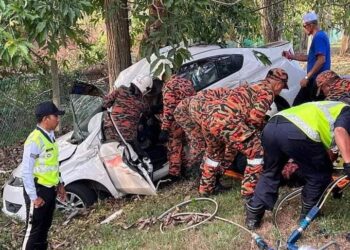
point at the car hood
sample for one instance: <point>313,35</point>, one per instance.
<point>66,149</point>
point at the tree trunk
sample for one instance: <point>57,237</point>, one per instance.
<point>345,44</point>
<point>304,41</point>
<point>272,20</point>
<point>56,91</point>
<point>118,38</point>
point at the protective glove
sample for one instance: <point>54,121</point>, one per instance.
<point>347,169</point>
<point>163,136</point>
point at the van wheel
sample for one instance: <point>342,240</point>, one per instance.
<point>79,196</point>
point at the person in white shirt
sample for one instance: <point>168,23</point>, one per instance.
<point>41,177</point>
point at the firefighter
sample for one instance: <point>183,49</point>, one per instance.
<point>127,107</point>
<point>174,90</point>
<point>235,122</point>
<point>41,177</point>
<point>193,130</point>
<point>304,133</point>
<point>332,85</point>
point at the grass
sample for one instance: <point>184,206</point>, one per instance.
<point>85,231</point>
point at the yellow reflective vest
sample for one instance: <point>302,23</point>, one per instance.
<point>46,164</point>
<point>315,119</point>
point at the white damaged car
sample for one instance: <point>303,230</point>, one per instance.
<point>90,166</point>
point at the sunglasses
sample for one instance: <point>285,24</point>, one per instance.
<point>306,25</point>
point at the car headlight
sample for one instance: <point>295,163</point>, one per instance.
<point>15,181</point>
<point>12,207</point>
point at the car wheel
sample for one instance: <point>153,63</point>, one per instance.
<point>79,196</point>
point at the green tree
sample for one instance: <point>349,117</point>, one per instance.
<point>178,23</point>
<point>29,24</point>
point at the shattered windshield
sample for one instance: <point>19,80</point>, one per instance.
<point>84,107</point>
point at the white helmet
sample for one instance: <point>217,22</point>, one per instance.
<point>144,83</point>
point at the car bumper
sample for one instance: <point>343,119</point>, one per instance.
<point>13,202</point>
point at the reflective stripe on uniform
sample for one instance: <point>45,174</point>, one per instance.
<point>312,134</point>
<point>255,161</point>
<point>44,169</point>
<point>211,162</point>
<point>29,226</point>
<point>315,119</point>
<point>325,110</point>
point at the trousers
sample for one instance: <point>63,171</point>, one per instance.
<point>281,141</point>
<point>39,220</point>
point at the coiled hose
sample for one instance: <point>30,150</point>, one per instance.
<point>293,238</point>
<point>258,240</point>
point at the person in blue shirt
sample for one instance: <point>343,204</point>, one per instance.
<point>318,59</point>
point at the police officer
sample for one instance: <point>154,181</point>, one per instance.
<point>304,133</point>
<point>41,178</point>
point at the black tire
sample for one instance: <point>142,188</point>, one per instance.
<point>79,196</point>
<point>87,195</point>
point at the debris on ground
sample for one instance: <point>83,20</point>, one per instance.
<point>347,237</point>
<point>10,157</point>
<point>143,224</point>
<point>112,217</point>
<point>73,214</point>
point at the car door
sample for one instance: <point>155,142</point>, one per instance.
<point>127,175</point>
<point>116,158</point>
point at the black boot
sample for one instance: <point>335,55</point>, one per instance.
<point>254,216</point>
<point>41,246</point>
<point>219,188</point>
<point>305,208</point>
